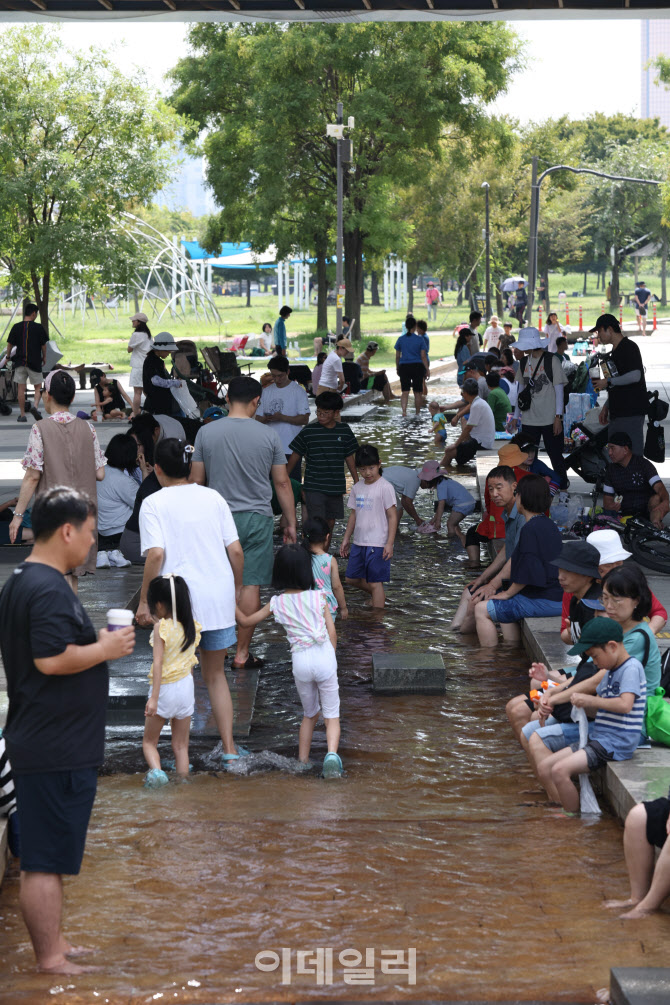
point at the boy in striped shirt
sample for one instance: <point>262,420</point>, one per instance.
<point>619,704</point>
<point>8,799</point>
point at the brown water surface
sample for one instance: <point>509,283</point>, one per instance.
<point>437,838</point>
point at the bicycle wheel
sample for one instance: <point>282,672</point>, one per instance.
<point>653,553</point>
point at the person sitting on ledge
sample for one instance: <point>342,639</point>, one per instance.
<point>534,591</point>
<point>479,431</point>
<point>647,828</point>
<point>636,480</point>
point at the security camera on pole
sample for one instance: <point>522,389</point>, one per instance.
<point>336,130</point>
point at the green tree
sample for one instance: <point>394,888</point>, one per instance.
<point>78,143</point>
<point>264,93</point>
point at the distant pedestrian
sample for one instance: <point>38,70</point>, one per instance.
<point>279,331</point>
<point>553,331</point>
<point>30,340</point>
<point>493,333</point>
<point>57,683</point>
<point>139,346</point>
<point>520,303</point>
<point>433,298</point>
<point>641,300</point>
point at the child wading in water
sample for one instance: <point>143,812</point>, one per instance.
<point>373,522</point>
<point>174,639</point>
<point>326,573</point>
<point>304,613</point>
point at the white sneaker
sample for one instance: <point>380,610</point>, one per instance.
<point>117,559</point>
<point>102,561</point>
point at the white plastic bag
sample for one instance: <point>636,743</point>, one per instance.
<point>186,402</point>
<point>587,799</point>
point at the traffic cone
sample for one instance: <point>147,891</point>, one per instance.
<point>539,320</point>
<point>581,323</point>
<point>620,314</point>
<point>567,313</point>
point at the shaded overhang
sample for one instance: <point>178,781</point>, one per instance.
<point>18,11</point>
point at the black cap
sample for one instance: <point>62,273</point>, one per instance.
<point>621,440</point>
<point>578,556</point>
<point>607,321</point>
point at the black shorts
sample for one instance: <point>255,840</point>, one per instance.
<point>466,451</point>
<point>54,808</point>
<point>472,536</point>
<point>379,381</point>
<point>325,506</point>
<point>658,811</point>
<point>596,755</point>
<point>412,376</point>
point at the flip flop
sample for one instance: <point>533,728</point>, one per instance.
<point>252,663</point>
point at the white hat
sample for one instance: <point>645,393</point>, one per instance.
<point>530,338</point>
<point>163,341</point>
<point>608,543</point>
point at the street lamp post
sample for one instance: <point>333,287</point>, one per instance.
<point>336,131</point>
<point>535,215</point>
<point>487,238</point>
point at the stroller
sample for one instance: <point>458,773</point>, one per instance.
<point>590,458</point>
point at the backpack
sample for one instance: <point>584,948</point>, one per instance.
<point>578,381</point>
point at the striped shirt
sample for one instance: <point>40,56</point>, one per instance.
<point>620,733</point>
<point>7,798</point>
<point>325,451</point>
<point>302,615</point>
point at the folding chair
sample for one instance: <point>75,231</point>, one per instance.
<point>223,365</point>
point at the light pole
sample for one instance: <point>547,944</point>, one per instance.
<point>336,130</point>
<point>487,238</point>
<point>535,215</point>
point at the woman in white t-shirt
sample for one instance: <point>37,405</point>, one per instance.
<point>552,330</point>
<point>493,333</point>
<point>188,530</point>
<point>140,345</point>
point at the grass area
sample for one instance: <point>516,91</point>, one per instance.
<point>107,340</point>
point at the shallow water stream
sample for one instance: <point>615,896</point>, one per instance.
<point>437,839</point>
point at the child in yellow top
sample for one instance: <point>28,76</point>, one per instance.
<point>174,639</point>
<point>439,421</point>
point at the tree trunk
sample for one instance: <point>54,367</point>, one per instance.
<point>42,297</point>
<point>374,288</point>
<point>321,292</point>
<point>410,293</point>
<point>546,289</point>
<point>500,306</point>
<point>362,287</point>
<point>664,269</point>
<point>248,293</point>
<point>636,267</point>
<point>353,267</point>
<point>614,290</point>
<point>585,275</point>
<point>459,298</point>
<point>468,294</point>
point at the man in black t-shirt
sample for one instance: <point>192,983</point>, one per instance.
<point>30,340</point>
<point>641,300</point>
<point>636,480</point>
<point>57,683</point>
<point>623,379</point>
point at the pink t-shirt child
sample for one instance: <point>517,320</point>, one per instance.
<point>371,503</point>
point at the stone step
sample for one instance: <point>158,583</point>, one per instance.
<point>408,673</point>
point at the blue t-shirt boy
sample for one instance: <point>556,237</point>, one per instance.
<point>620,733</point>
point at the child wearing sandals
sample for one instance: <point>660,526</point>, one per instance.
<point>175,638</point>
<point>304,613</point>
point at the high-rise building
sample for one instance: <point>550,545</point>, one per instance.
<point>655,98</point>
<point>189,190</point>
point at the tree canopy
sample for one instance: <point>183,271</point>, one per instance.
<point>78,143</point>
<point>264,94</point>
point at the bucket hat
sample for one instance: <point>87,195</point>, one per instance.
<point>609,546</point>
<point>580,557</point>
<point>165,341</point>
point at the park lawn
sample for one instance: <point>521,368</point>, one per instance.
<point>104,339</point>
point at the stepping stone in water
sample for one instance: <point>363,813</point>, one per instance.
<point>639,985</point>
<point>408,673</point>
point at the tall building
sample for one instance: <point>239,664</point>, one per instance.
<point>189,190</point>
<point>655,99</point>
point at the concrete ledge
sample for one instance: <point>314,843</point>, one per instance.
<point>440,367</point>
<point>640,985</point>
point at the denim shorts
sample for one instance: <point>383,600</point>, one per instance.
<point>368,563</point>
<point>595,754</point>
<point>218,638</point>
<point>554,735</point>
<point>519,607</point>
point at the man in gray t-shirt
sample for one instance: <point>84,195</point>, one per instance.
<point>242,459</point>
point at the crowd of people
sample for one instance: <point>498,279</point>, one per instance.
<point>203,512</point>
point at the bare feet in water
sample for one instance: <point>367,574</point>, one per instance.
<point>65,966</point>
<point>613,905</point>
<point>637,912</point>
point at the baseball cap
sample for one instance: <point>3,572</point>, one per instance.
<point>597,632</point>
<point>621,439</point>
<point>580,557</point>
<point>213,412</point>
<point>606,321</point>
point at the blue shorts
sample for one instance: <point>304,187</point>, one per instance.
<point>218,638</point>
<point>54,808</point>
<point>366,562</point>
<point>442,433</point>
<point>517,608</point>
<point>554,735</point>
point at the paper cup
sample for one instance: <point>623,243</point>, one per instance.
<point>118,618</point>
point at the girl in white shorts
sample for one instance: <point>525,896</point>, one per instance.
<point>175,638</point>
<point>304,613</point>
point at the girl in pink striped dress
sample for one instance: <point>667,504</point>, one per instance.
<point>304,613</point>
